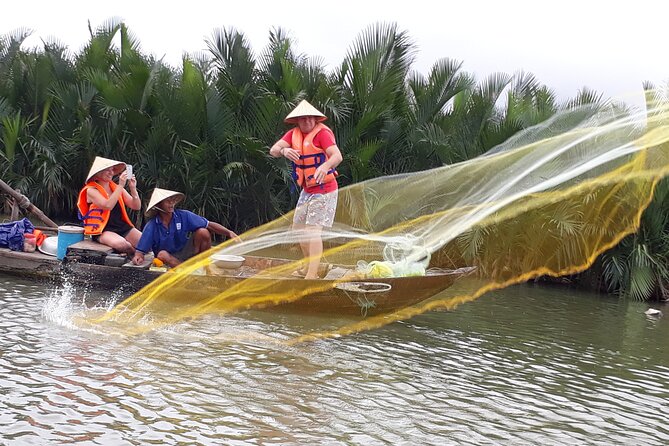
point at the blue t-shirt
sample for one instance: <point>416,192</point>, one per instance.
<point>156,237</point>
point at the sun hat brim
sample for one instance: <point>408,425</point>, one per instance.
<point>304,109</point>
<point>295,120</point>
<point>100,164</point>
<point>158,196</point>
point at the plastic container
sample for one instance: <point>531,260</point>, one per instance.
<point>29,242</point>
<point>227,261</point>
<point>49,246</point>
<point>68,235</point>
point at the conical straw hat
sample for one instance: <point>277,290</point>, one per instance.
<point>159,195</point>
<point>304,109</point>
<point>100,164</point>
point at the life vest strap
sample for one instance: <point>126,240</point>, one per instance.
<point>89,216</point>
<point>320,158</point>
<point>328,172</point>
<point>312,155</point>
<point>307,166</point>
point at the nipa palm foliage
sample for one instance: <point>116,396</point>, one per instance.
<point>638,267</point>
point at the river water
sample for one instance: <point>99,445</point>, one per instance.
<point>526,365</point>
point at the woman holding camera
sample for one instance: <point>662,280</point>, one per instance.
<point>102,205</point>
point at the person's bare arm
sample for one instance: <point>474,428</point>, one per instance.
<point>334,159</point>
<point>95,197</point>
<point>218,228</point>
<point>131,198</point>
<point>279,149</point>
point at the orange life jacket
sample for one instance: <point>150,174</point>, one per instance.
<point>311,157</point>
<point>94,217</point>
<point>39,237</point>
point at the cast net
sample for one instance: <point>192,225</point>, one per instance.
<point>546,202</point>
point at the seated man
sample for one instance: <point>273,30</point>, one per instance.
<point>175,235</point>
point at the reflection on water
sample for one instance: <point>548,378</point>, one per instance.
<point>527,365</point>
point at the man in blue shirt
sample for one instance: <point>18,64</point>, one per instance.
<point>175,235</point>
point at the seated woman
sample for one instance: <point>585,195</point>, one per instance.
<point>102,206</point>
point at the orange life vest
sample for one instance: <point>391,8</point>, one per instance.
<point>39,237</point>
<point>94,217</point>
<point>311,157</point>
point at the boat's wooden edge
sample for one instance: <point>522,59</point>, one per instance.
<point>33,264</point>
<point>42,266</point>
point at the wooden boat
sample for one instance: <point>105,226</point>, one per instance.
<point>339,292</point>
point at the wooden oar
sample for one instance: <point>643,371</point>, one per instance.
<point>24,203</point>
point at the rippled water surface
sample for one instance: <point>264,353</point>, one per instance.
<point>528,365</point>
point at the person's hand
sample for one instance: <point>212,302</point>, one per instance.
<point>291,154</point>
<point>320,173</point>
<point>133,182</point>
<point>123,178</point>
<point>234,237</point>
<point>138,259</point>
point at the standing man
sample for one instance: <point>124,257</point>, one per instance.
<point>313,151</point>
<point>175,235</point>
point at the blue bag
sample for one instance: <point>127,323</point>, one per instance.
<point>11,234</point>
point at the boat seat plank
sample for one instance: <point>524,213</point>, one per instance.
<point>90,245</point>
<point>148,259</point>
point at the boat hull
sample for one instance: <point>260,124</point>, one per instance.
<point>241,289</point>
<point>366,297</point>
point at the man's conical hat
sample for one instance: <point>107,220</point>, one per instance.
<point>304,109</point>
<point>159,195</point>
<point>100,164</point>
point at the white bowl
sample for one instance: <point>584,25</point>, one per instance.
<point>49,246</point>
<point>227,261</point>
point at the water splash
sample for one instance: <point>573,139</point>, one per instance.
<point>64,301</point>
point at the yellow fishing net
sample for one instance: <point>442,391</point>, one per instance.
<point>546,202</point>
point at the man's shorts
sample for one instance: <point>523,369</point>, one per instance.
<point>187,251</point>
<point>316,209</point>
